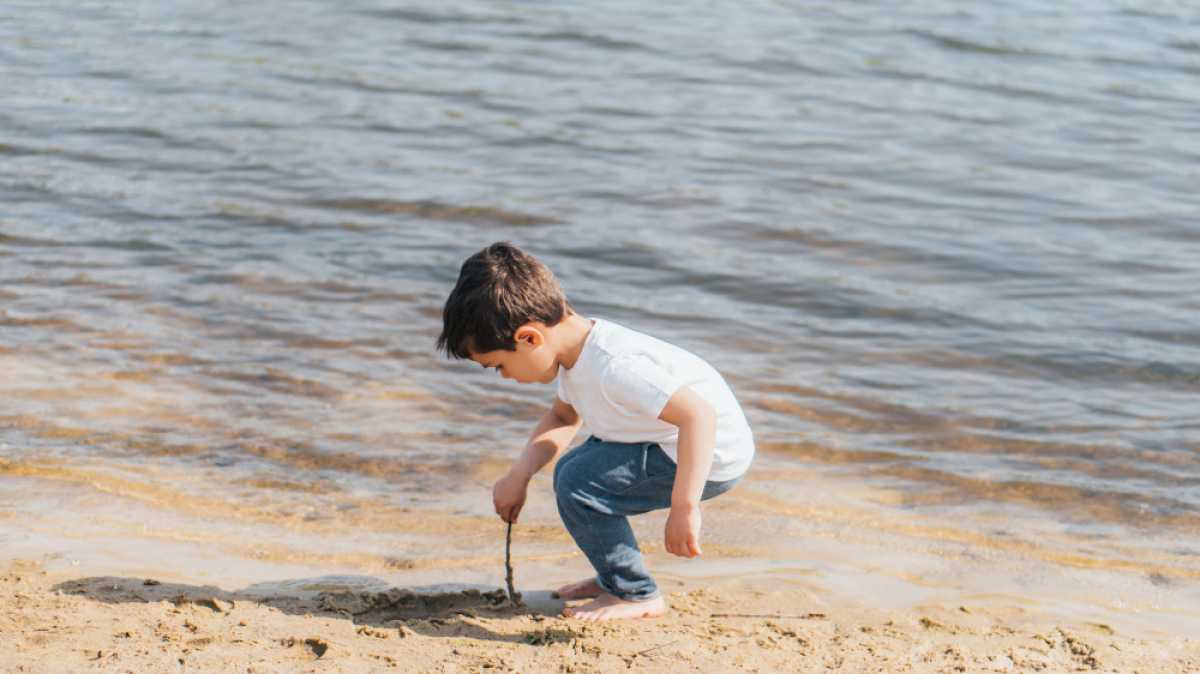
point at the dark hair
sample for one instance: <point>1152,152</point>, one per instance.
<point>499,289</point>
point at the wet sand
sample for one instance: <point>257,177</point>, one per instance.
<point>147,569</point>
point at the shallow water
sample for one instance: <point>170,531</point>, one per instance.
<point>946,250</point>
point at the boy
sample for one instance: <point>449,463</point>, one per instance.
<point>673,433</point>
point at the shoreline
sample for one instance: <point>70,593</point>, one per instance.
<point>828,572</point>
<point>60,622</point>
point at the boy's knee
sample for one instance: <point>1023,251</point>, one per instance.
<point>557,471</point>
<point>571,490</point>
<point>561,465</point>
<point>563,477</point>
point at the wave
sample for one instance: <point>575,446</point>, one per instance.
<point>436,210</point>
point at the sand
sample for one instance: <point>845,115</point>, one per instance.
<point>160,567</point>
<point>61,622</point>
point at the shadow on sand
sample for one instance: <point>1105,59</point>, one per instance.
<point>439,610</point>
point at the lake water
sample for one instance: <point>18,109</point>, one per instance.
<point>947,250</point>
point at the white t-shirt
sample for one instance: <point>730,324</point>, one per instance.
<point>624,378</point>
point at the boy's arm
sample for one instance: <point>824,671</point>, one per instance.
<point>550,437</point>
<point>697,422</point>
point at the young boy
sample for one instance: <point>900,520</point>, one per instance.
<point>666,431</point>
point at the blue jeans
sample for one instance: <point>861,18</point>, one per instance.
<point>597,485</point>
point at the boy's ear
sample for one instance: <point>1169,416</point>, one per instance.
<point>528,334</point>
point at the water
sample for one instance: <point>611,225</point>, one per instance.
<point>949,250</point>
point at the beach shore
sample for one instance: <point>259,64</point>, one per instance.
<point>128,569</point>
<point>61,622</point>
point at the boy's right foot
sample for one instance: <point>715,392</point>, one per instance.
<point>608,607</point>
<point>584,589</point>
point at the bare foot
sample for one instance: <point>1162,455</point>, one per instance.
<point>608,607</point>
<point>584,589</point>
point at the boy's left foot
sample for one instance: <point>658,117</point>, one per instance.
<point>608,607</point>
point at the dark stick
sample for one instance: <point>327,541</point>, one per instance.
<point>513,595</point>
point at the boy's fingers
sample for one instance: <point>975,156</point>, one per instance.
<point>508,513</point>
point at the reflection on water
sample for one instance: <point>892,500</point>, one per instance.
<point>948,252</point>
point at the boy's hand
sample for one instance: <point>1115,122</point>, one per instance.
<point>682,535</point>
<point>508,496</point>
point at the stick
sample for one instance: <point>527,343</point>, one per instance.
<point>513,596</point>
<point>804,616</point>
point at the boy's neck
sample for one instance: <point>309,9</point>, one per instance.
<point>571,334</point>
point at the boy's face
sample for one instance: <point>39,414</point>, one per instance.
<point>533,361</point>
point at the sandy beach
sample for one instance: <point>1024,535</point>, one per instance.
<point>788,583</point>
<point>55,622</point>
